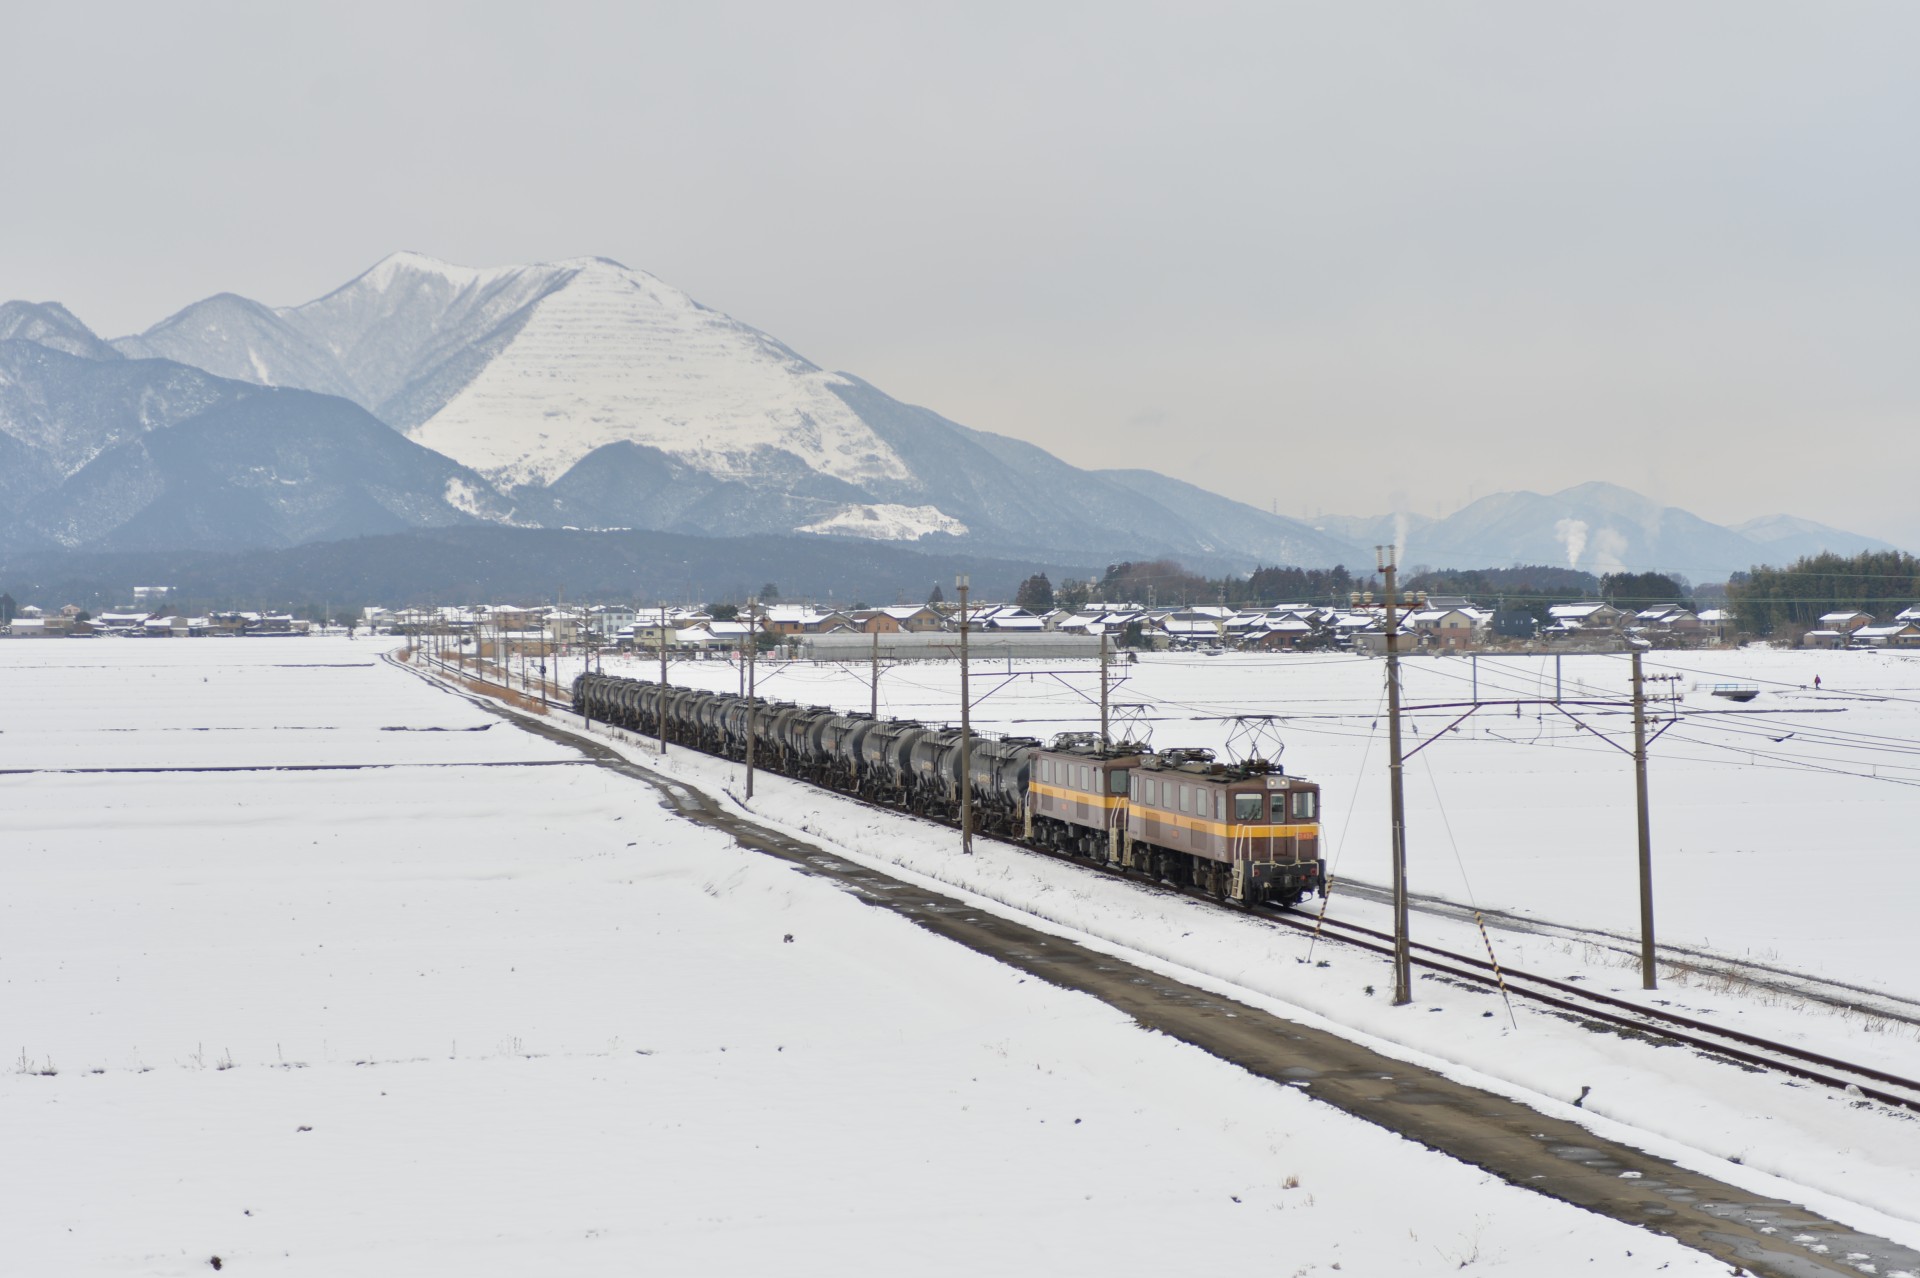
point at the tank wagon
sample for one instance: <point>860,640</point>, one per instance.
<point>1243,831</point>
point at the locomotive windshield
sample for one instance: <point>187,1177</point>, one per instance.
<point>1304,805</point>
<point>1246,807</point>
<point>1117,781</point>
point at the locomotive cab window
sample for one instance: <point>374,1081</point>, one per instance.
<point>1304,806</point>
<point>1280,807</point>
<point>1246,807</point>
<point>1118,784</point>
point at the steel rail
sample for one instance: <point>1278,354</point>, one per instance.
<point>1572,998</point>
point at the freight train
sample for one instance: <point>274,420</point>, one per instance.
<point>1243,831</point>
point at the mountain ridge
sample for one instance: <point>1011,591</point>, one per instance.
<point>583,393</point>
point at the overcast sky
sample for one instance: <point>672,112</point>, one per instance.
<point>1339,257</point>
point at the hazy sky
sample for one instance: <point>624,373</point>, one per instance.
<point>1342,257</point>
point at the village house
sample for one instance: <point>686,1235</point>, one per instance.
<point>1846,620</point>
<point>1450,628</point>
<point>1897,634</point>
<point>916,619</point>
<point>802,619</point>
<point>1717,623</point>
<point>1585,616</point>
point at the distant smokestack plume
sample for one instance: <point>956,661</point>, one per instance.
<point>1573,535</point>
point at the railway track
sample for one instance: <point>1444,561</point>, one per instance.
<point>1840,995</point>
<point>1623,1015</point>
<point>1596,1010</point>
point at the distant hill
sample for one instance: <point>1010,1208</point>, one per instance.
<point>1786,539</point>
<point>488,562</point>
<point>1598,528</point>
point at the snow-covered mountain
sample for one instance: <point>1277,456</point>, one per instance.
<point>605,397</point>
<point>522,372</point>
<point>1786,538</point>
<point>585,394</point>
<point>53,326</point>
<point>1600,528</point>
<point>104,452</point>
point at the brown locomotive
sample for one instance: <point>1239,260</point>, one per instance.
<point>1245,831</point>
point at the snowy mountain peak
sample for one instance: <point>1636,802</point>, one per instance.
<point>613,355</point>
<point>408,270</point>
<point>52,325</point>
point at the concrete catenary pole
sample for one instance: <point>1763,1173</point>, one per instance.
<point>1402,956</point>
<point>753,621</point>
<point>966,727</point>
<point>661,703</point>
<point>1649,979</point>
<point>1105,737</point>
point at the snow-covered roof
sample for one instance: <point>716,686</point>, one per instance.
<point>1842,617</point>
<point>1178,626</point>
<point>1579,611</point>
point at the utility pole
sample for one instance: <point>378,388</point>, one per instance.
<point>1104,737</point>
<point>752,622</point>
<point>661,702</point>
<point>966,728</point>
<point>586,703</point>
<point>1402,964</point>
<point>873,689</point>
<point>1648,976</point>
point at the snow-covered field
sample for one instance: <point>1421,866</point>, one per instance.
<point>402,989</point>
<point>1759,855</point>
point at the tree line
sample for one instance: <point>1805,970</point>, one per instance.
<point>1768,600</point>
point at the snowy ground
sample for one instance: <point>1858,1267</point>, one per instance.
<point>458,1004</point>
<point>1536,817</point>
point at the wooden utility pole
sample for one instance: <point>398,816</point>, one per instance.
<point>966,727</point>
<point>662,716</point>
<point>873,681</point>
<point>752,623</point>
<point>1402,958</point>
<point>1648,977</point>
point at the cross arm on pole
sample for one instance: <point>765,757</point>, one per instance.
<point>1595,731</point>
<point>1433,737</point>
